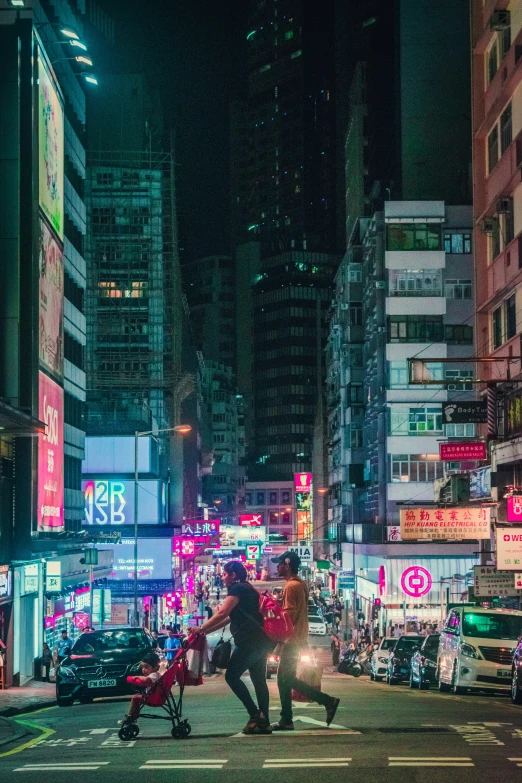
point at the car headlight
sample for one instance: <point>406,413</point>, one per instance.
<point>305,658</point>
<point>67,673</point>
<point>383,660</point>
<point>468,650</point>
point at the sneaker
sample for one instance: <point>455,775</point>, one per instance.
<point>263,725</point>
<point>331,710</point>
<point>282,726</point>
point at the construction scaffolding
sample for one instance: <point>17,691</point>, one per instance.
<point>133,300</point>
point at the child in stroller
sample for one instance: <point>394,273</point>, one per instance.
<point>150,669</point>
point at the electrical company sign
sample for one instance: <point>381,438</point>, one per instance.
<point>509,549</point>
<point>445,523</point>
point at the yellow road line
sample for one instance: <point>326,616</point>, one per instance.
<point>45,733</point>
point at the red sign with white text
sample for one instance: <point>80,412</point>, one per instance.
<point>456,451</point>
<point>50,455</point>
<point>514,508</point>
<point>303,482</point>
<point>251,520</point>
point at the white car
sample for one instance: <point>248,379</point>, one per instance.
<point>316,625</point>
<point>379,660</point>
<point>476,648</point>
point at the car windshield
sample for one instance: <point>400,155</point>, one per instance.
<point>107,641</point>
<point>431,643</point>
<point>406,644</point>
<point>314,619</point>
<point>491,626</point>
<point>387,644</point>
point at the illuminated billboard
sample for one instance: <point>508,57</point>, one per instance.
<point>50,150</point>
<point>458,524</point>
<point>50,455</point>
<point>110,501</point>
<point>50,327</point>
<point>251,520</point>
<point>154,558</point>
<point>303,482</point>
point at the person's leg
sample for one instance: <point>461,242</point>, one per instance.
<point>134,707</point>
<point>239,663</point>
<point>285,675</point>
<point>257,671</point>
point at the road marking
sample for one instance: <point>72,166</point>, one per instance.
<point>305,763</point>
<point>67,767</point>
<point>430,761</point>
<point>95,731</point>
<point>478,734</point>
<point>184,764</point>
<point>45,733</point>
<point>325,732</point>
<point>516,760</point>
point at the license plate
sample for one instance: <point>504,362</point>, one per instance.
<point>101,684</point>
<point>505,674</point>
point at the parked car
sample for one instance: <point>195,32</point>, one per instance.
<point>423,667</point>
<point>400,657</point>
<point>476,649</point>
<point>99,664</point>
<point>379,661</point>
<point>316,625</point>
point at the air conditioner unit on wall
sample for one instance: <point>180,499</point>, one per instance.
<point>504,206</point>
<point>499,20</point>
<point>489,225</point>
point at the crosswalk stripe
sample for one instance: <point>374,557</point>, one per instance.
<point>429,758</point>
<point>186,761</point>
<point>285,765</point>
<point>56,767</point>
<point>182,766</point>
<point>431,764</point>
<point>303,761</point>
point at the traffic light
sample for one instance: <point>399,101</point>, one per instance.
<point>375,608</point>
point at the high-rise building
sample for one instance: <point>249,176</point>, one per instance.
<point>497,157</point>
<point>284,221</point>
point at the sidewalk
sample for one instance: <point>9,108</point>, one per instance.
<point>28,698</point>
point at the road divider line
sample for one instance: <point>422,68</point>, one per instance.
<point>305,766</point>
<point>429,758</point>
<point>186,761</point>
<point>302,760</point>
<point>182,766</point>
<point>430,764</point>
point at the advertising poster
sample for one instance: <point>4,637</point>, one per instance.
<point>154,558</point>
<point>480,483</point>
<point>110,501</point>
<point>456,524</point>
<point>509,549</point>
<point>490,582</point>
<point>50,455</point>
<point>51,302</point>
<point>50,150</point>
<point>303,482</point>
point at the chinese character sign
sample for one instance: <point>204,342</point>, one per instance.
<point>303,482</point>
<point>200,527</point>
<point>456,451</point>
<point>490,582</point>
<point>50,455</point>
<point>514,508</point>
<point>509,549</point>
<point>456,524</point>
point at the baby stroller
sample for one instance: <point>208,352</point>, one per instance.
<point>160,696</point>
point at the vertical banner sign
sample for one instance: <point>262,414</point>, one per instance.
<point>50,150</point>
<point>50,456</point>
<point>491,397</point>
<point>51,302</point>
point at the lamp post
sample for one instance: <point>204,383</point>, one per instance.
<point>183,429</point>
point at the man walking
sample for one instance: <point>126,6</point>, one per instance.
<point>295,602</point>
<point>172,644</point>
<point>64,646</point>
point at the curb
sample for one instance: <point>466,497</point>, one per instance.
<point>18,732</point>
<point>11,712</point>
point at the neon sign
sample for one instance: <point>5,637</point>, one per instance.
<point>303,482</point>
<point>250,520</point>
<point>105,502</point>
<point>416,581</point>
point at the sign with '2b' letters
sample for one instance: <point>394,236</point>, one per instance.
<point>304,552</point>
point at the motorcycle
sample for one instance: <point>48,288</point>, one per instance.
<point>355,663</point>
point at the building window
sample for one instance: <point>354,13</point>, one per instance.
<point>459,377</point>
<point>459,430</point>
<point>505,41</point>
<point>398,373</point>
<point>415,467</point>
<point>492,60</point>
<point>413,236</point>
<point>493,149</point>
<point>260,498</point>
<point>458,334</point>
<point>497,327</point>
<point>415,329</point>
<point>457,243</point>
<point>354,274</point>
<point>458,289</point>
<point>415,421</point>
<point>356,438</point>
<point>285,496</point>
<point>410,282</point>
<point>511,317</point>
<point>506,129</point>
<point>273,498</point>
<point>355,314</point>
<point>289,34</point>
<point>356,393</point>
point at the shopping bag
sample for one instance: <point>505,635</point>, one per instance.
<point>222,653</point>
<point>311,674</point>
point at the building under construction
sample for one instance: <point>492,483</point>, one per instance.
<point>133,299</point>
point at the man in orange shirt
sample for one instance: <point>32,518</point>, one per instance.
<point>295,602</point>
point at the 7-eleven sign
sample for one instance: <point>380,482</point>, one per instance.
<point>253,551</point>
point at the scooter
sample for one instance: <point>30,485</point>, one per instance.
<point>355,663</point>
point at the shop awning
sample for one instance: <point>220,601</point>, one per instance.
<point>16,422</point>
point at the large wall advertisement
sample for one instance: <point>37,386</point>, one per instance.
<point>50,456</point>
<point>50,150</point>
<point>110,501</point>
<point>51,302</point>
<point>154,558</point>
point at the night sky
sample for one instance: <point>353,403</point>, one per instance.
<point>195,48</point>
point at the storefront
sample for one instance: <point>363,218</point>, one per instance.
<point>28,619</point>
<point>6,626</point>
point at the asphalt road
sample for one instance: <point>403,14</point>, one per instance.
<point>413,735</point>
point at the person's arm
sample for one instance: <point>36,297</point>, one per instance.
<point>221,618</point>
<point>291,600</point>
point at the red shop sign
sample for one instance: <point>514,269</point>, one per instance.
<point>514,508</point>
<point>457,451</point>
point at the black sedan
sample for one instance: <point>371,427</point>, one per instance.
<point>99,664</point>
<point>400,658</point>
<point>423,671</point>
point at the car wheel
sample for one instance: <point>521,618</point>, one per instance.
<point>392,680</point>
<point>64,701</point>
<point>372,676</point>
<point>516,692</point>
<point>443,686</point>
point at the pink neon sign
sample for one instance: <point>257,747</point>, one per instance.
<point>416,581</point>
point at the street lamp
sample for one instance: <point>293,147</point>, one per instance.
<point>80,58</point>
<point>182,429</point>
